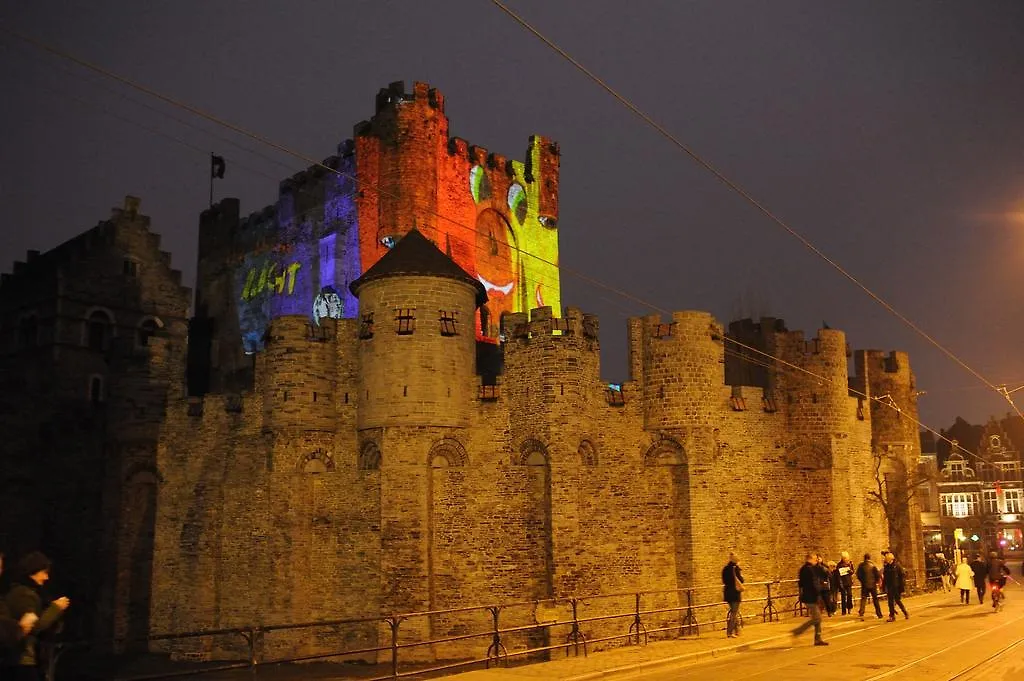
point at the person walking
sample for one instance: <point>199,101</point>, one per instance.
<point>844,570</point>
<point>980,569</point>
<point>964,580</point>
<point>26,604</point>
<point>810,595</point>
<point>894,577</point>
<point>732,588</point>
<point>868,576</point>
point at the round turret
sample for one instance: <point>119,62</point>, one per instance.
<point>298,371</point>
<point>682,370</point>
<point>417,340</point>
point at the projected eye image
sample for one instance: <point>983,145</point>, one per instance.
<point>479,186</point>
<point>517,202</point>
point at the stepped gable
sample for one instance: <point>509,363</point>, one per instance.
<point>417,255</point>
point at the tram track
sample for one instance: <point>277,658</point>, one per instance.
<point>962,674</point>
<point>870,637</point>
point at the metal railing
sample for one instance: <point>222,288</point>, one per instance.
<point>507,632</point>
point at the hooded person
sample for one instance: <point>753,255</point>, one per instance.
<point>25,603</point>
<point>11,634</point>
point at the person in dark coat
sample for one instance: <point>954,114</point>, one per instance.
<point>809,581</point>
<point>26,605</point>
<point>980,569</point>
<point>732,586</point>
<point>868,576</point>
<point>895,580</point>
<point>11,634</point>
<point>844,572</point>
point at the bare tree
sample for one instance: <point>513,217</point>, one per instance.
<point>896,486</point>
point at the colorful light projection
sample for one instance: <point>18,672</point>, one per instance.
<point>496,219</point>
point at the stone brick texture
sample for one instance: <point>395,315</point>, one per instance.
<point>399,489</point>
<point>80,411</point>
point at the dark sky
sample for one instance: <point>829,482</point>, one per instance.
<point>890,134</point>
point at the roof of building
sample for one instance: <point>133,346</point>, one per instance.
<point>415,254</point>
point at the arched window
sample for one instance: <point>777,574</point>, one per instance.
<point>369,456</point>
<point>147,328</point>
<point>99,328</point>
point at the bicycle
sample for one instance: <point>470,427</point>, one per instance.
<point>997,597</point>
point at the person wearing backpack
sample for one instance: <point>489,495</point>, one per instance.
<point>732,588</point>
<point>867,575</point>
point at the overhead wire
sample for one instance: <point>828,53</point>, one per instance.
<point>361,185</point>
<point>749,198</point>
<point>305,158</point>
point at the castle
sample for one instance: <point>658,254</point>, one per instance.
<point>388,411</point>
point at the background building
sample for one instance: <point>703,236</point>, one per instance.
<point>93,333</point>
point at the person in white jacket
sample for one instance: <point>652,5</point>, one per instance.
<point>964,580</point>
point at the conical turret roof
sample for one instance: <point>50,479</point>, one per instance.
<point>415,254</point>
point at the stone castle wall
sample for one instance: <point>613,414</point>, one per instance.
<point>277,507</point>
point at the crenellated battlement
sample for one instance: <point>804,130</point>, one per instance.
<point>540,322</point>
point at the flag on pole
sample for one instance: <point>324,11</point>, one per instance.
<point>217,166</point>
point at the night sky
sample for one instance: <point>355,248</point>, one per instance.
<point>889,134</point>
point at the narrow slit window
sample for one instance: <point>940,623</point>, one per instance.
<point>366,326</point>
<point>405,320</point>
<point>449,326</point>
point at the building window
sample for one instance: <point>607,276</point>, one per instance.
<point>990,501</point>
<point>405,320</point>
<point>366,326</point>
<point>98,330</point>
<point>1010,470</point>
<point>96,389</point>
<point>960,504</point>
<point>147,329</point>
<point>1013,500</point>
<point>448,323</point>
<point>130,267</point>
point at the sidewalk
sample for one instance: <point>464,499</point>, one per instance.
<point>709,644</point>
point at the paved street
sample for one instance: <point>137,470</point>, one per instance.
<point>941,640</point>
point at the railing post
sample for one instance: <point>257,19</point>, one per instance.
<point>637,626</point>
<point>497,648</point>
<point>770,613</point>
<point>575,636</point>
<point>394,622</point>
<point>690,620</point>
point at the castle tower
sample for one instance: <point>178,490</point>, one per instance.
<point>889,381</point>
<point>417,383</point>
<point>417,351</point>
<point>682,371</point>
<point>398,152</point>
<point>297,376</point>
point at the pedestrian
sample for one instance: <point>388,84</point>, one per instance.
<point>810,595</point>
<point>894,577</point>
<point>25,602</point>
<point>11,634</point>
<point>868,576</point>
<point>844,570</point>
<point>964,580</point>
<point>980,569</point>
<point>833,587</point>
<point>732,588</point>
